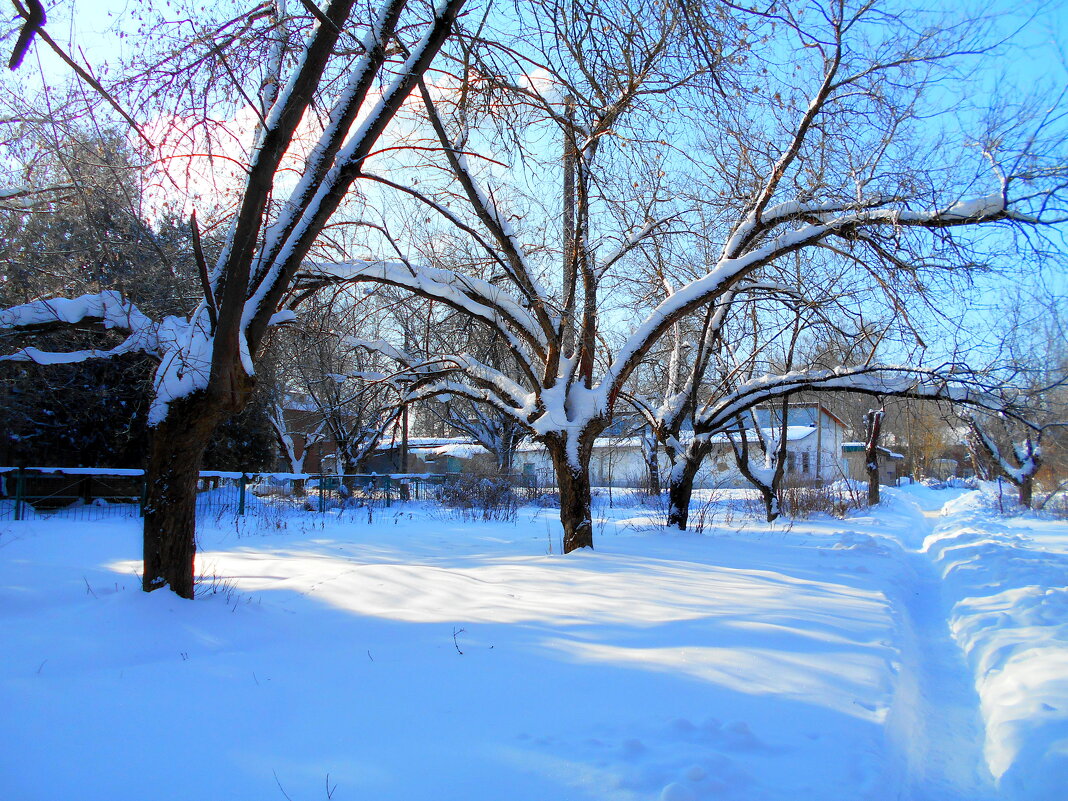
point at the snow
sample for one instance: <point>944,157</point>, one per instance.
<point>793,434</point>
<point>109,308</point>
<point>977,208</point>
<point>460,451</point>
<point>1008,581</point>
<point>914,651</point>
<point>185,365</point>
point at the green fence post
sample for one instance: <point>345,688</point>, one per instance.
<point>19,489</point>
<point>387,491</point>
<point>241,495</point>
<point>322,496</point>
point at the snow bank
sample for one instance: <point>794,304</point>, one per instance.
<point>1006,580</point>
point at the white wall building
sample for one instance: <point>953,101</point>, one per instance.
<point>814,440</point>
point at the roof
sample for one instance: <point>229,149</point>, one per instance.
<point>459,447</point>
<point>819,407</point>
<point>858,447</point>
<point>793,434</point>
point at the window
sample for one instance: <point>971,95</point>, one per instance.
<point>805,462</point>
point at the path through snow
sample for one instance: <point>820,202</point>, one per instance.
<point>938,726</point>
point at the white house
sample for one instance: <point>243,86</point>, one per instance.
<point>814,438</point>
<point>814,454</point>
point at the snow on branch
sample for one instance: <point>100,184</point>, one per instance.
<point>182,346</point>
<point>482,378</point>
<point>303,221</point>
<point>1028,454</point>
<point>515,263</point>
<point>389,350</point>
<point>444,387</point>
<point>632,241</point>
<point>475,296</point>
<point>27,198</point>
<point>342,115</point>
<point>870,380</point>
<point>823,221</point>
<point>108,310</point>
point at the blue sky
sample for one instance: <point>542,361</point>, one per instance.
<point>1037,55</point>
<point>1041,52</point>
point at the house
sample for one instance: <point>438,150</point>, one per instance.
<point>891,464</point>
<point>814,438</point>
<point>434,455</point>
<point>615,462</point>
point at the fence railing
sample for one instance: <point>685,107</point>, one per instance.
<point>94,493</point>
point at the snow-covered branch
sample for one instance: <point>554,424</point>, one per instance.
<point>1027,455</point>
<point>881,380</point>
<point>105,310</point>
<point>473,296</point>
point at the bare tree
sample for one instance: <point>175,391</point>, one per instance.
<point>833,172</point>
<point>207,359</point>
<point>346,392</point>
<point>1021,461</point>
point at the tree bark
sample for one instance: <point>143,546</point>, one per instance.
<point>506,457</point>
<point>1026,491</point>
<point>771,503</point>
<point>175,455</point>
<point>650,455</point>
<point>874,420</point>
<point>680,490</point>
<point>576,514</point>
<point>768,492</point>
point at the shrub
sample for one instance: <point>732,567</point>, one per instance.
<point>474,497</point>
<point>837,499</point>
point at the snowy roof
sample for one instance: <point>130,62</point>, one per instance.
<point>858,447</point>
<point>458,450</point>
<point>432,442</point>
<point>298,403</point>
<point>461,448</point>
<point>793,434</point>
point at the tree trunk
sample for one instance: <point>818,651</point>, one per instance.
<point>652,482</point>
<point>680,490</point>
<point>652,466</point>
<point>771,503</point>
<point>768,492</point>
<point>506,457</point>
<point>872,468</point>
<point>576,513</point>
<point>1027,487</point>
<point>175,455</point>
<point>874,421</point>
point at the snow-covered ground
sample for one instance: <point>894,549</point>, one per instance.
<point>916,651</point>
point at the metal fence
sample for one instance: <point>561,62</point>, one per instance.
<point>94,494</point>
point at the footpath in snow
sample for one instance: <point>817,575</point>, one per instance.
<point>917,651</point>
